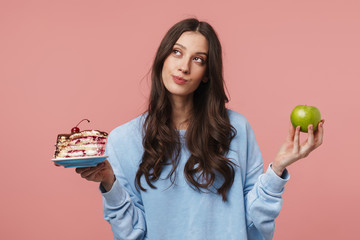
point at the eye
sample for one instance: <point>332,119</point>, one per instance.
<point>176,52</point>
<point>199,60</point>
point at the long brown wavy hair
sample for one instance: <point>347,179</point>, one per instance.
<point>209,133</point>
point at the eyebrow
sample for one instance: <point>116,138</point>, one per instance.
<point>182,46</point>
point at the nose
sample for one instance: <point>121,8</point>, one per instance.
<point>184,66</point>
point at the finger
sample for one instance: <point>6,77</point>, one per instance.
<point>93,173</point>
<point>310,140</point>
<point>308,145</point>
<point>291,134</point>
<point>90,170</point>
<point>296,140</point>
<point>319,133</point>
<point>81,169</point>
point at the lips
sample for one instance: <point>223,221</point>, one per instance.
<point>179,80</point>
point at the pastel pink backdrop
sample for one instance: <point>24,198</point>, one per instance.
<point>62,61</point>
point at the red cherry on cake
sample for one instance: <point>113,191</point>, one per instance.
<point>76,129</point>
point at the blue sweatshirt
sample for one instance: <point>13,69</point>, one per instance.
<point>178,211</point>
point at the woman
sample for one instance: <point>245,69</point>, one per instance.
<point>189,168</point>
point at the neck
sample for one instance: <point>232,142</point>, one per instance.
<point>181,111</point>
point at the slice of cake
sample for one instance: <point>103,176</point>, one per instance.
<point>87,143</point>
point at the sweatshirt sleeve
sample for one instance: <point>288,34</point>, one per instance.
<point>122,206</point>
<point>263,193</point>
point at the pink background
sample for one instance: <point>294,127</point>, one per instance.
<point>62,61</point>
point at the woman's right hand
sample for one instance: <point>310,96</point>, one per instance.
<point>103,173</point>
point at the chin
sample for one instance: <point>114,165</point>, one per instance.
<point>178,93</point>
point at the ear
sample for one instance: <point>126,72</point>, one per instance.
<point>205,80</point>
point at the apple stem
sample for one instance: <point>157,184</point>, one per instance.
<point>82,120</point>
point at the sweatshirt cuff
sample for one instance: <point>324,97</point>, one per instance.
<point>272,182</point>
<point>116,195</point>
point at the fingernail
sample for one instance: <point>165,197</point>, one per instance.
<point>310,127</point>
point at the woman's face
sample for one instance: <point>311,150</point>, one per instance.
<point>185,67</point>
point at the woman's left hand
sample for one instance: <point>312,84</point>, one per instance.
<point>291,150</point>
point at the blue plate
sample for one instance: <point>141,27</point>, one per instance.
<point>79,161</point>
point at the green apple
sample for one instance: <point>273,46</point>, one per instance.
<point>303,115</point>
